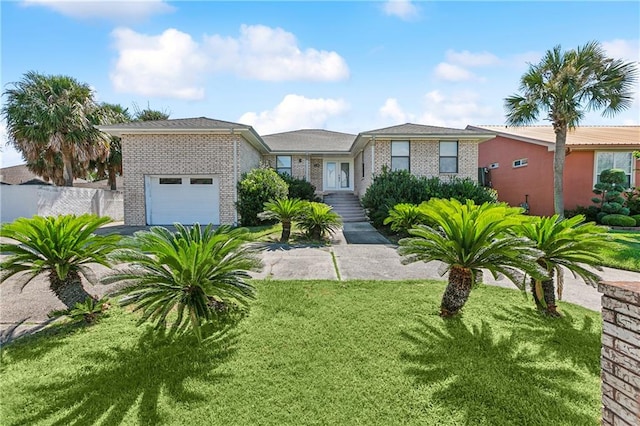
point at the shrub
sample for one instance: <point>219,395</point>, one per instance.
<point>618,220</point>
<point>391,188</point>
<point>256,188</point>
<point>318,219</point>
<point>609,191</point>
<point>590,213</point>
<point>405,216</point>
<point>300,188</point>
<point>285,211</point>
<point>636,217</point>
<point>632,200</point>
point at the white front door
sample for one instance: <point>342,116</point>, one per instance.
<point>338,175</point>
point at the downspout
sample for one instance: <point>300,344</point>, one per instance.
<point>235,179</point>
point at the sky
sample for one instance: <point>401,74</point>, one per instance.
<point>289,65</point>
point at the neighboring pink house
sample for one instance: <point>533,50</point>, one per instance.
<point>519,162</point>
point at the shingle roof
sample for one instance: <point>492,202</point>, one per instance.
<point>17,175</point>
<point>178,123</point>
<point>583,136</point>
<point>309,140</point>
<point>421,129</point>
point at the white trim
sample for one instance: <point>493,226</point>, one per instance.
<point>632,179</point>
<point>522,162</point>
<point>337,161</point>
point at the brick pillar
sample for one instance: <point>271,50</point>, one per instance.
<point>620,353</point>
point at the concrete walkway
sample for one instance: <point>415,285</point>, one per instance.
<point>28,309</point>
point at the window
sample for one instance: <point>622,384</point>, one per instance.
<point>283,164</point>
<point>400,155</point>
<point>520,163</point>
<point>201,181</point>
<point>170,181</point>
<point>448,156</point>
<point>614,160</point>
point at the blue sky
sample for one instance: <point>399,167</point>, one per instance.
<point>279,66</point>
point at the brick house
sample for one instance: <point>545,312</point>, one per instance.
<point>186,170</point>
<point>519,162</point>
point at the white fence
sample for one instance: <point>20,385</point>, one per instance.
<point>30,200</point>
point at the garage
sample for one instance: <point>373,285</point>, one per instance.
<point>184,199</point>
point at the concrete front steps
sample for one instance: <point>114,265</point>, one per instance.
<point>347,205</point>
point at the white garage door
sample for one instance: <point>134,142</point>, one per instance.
<point>184,199</point>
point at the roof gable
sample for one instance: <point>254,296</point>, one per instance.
<point>309,140</point>
<point>421,129</point>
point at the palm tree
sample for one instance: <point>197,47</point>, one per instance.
<point>284,210</point>
<point>566,85</point>
<point>112,165</point>
<point>62,247</point>
<point>197,273</point>
<point>468,237</point>
<point>567,243</point>
<point>318,219</point>
<point>51,115</point>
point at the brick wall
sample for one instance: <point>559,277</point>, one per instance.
<point>298,164</point>
<point>362,183</point>
<point>425,158</point>
<point>620,353</point>
<point>179,154</point>
<point>316,170</point>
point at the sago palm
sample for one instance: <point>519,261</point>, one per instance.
<point>62,247</point>
<point>319,219</point>
<point>196,274</point>
<point>564,243</point>
<point>468,237</point>
<point>284,210</point>
<point>404,216</point>
<point>562,87</point>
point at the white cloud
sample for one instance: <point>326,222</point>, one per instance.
<point>295,112</point>
<point>450,72</point>
<point>272,54</point>
<point>173,64</point>
<point>456,110</point>
<point>470,59</point>
<point>403,9</point>
<point>116,10</point>
<point>392,111</point>
<point>169,65</point>
<point>628,50</point>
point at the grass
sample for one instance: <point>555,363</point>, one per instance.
<point>625,253</point>
<point>319,352</point>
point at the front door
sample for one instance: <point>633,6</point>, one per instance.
<point>337,175</point>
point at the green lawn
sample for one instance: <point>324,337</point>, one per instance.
<point>625,254</point>
<point>318,352</point>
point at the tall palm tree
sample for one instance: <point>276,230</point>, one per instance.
<point>61,247</point>
<point>51,115</point>
<point>568,243</point>
<point>284,210</point>
<point>566,85</point>
<point>111,166</point>
<point>196,273</point>
<point>468,237</point>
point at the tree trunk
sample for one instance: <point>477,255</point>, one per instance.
<point>67,170</point>
<point>286,231</point>
<point>70,290</point>
<point>111,176</point>
<point>457,291</point>
<point>549,295</point>
<point>558,168</point>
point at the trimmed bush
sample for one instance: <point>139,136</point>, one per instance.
<point>300,188</point>
<point>609,191</point>
<point>391,188</point>
<point>637,219</point>
<point>618,220</point>
<point>256,188</point>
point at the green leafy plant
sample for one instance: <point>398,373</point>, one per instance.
<point>405,216</point>
<point>256,188</point>
<point>89,310</point>
<point>198,274</point>
<point>318,220</point>
<point>632,200</point>
<point>468,237</point>
<point>610,190</point>
<point>618,220</point>
<point>61,247</point>
<point>285,211</point>
<point>636,217</point>
<point>564,243</point>
<point>300,188</point>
